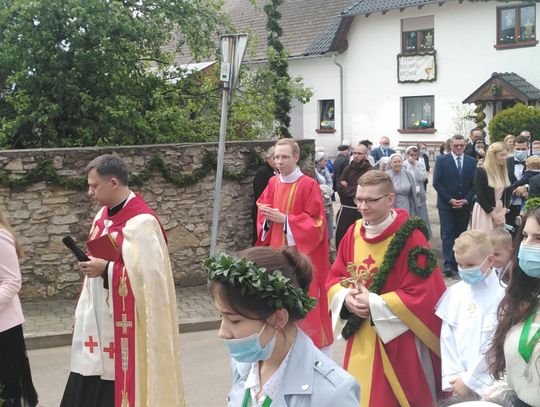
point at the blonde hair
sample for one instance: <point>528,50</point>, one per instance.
<point>508,137</point>
<point>289,142</point>
<point>532,163</point>
<point>4,224</point>
<point>270,152</point>
<point>500,236</point>
<point>497,175</point>
<point>377,177</point>
<point>474,240</point>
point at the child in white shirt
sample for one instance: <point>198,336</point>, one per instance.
<point>468,311</point>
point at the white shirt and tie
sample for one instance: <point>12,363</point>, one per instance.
<point>458,159</point>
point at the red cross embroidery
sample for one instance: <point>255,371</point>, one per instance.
<point>110,350</point>
<point>91,344</point>
<point>368,263</point>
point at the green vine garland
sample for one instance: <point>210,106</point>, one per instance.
<point>394,250</point>
<point>45,172</point>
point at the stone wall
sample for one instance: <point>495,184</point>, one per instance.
<point>42,214</point>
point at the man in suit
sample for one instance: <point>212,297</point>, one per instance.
<point>383,150</point>
<point>475,135</point>
<point>453,180</point>
<point>516,167</point>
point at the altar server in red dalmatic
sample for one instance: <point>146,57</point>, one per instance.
<point>384,285</point>
<point>291,213</point>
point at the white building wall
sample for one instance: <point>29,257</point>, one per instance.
<point>465,34</point>
<point>322,76</point>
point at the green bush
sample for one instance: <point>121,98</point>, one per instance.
<point>514,121</point>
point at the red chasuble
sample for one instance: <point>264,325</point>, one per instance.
<point>302,202</point>
<point>392,374</point>
<point>144,308</point>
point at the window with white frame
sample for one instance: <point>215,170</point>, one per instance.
<point>418,112</point>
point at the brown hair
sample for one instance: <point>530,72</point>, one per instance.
<point>377,177</point>
<point>5,225</point>
<point>521,139</point>
<point>289,142</point>
<point>520,300</point>
<point>294,265</point>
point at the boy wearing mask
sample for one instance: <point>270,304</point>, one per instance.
<point>468,311</point>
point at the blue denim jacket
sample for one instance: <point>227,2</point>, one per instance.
<point>311,379</point>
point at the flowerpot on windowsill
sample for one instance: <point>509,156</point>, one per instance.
<point>323,131</point>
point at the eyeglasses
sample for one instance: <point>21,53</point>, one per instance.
<point>368,201</point>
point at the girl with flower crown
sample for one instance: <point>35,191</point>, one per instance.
<point>260,296</point>
<point>515,351</point>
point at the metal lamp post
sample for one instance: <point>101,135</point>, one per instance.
<point>233,47</point>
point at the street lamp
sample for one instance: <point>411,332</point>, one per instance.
<point>233,47</point>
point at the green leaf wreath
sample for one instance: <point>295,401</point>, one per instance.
<point>275,288</point>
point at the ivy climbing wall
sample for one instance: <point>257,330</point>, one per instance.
<point>43,194</point>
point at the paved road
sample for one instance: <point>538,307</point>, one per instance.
<point>205,370</point>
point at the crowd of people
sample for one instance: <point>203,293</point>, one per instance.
<point>410,340</point>
<point>474,341</point>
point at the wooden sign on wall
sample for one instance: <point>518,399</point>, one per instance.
<point>416,67</point>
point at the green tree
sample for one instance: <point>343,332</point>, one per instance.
<point>513,121</point>
<point>90,72</point>
<point>278,65</point>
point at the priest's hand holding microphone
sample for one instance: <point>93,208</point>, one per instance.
<point>357,301</point>
<point>93,268</point>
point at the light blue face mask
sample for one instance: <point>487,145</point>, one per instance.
<point>529,260</point>
<point>472,275</point>
<point>536,153</point>
<point>520,155</point>
<point>249,349</point>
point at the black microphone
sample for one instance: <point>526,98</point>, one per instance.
<point>79,254</point>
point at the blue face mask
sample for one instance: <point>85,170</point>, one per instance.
<point>472,275</point>
<point>536,153</point>
<point>529,260</point>
<point>249,349</point>
<point>520,155</point>
<point>385,147</point>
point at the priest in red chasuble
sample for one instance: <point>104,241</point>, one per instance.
<point>125,349</point>
<point>382,290</point>
<point>291,213</point>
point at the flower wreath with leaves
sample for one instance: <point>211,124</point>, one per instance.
<point>395,248</point>
<point>278,290</point>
